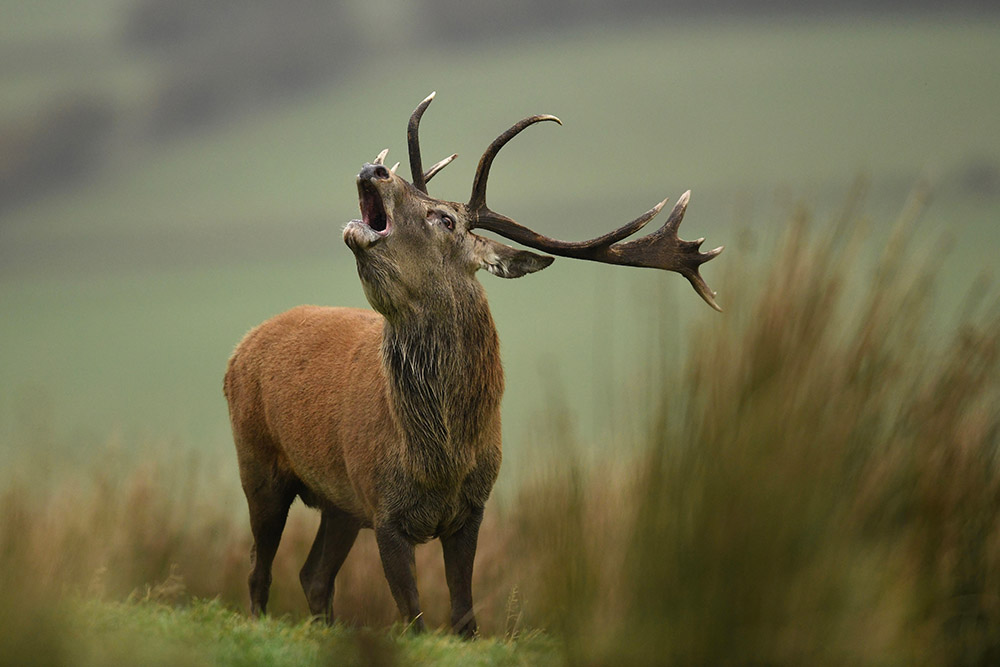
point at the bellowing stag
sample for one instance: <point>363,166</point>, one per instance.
<point>390,419</point>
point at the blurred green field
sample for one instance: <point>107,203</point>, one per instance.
<point>123,296</point>
<point>815,482</point>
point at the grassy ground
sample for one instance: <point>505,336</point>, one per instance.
<point>146,632</point>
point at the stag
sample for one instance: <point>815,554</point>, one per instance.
<point>390,420</point>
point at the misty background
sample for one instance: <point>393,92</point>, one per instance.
<point>172,172</point>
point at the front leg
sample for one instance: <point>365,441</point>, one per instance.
<point>396,552</point>
<point>459,554</point>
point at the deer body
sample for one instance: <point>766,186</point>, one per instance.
<point>378,425</point>
<point>375,423</point>
<point>390,420</point>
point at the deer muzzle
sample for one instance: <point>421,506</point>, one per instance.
<point>373,212</point>
<point>375,222</point>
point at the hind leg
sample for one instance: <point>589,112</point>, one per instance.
<point>269,496</point>
<point>336,535</point>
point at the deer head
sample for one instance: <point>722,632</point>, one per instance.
<point>413,249</point>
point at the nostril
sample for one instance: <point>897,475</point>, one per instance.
<point>373,171</point>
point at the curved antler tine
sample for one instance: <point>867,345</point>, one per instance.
<point>507,228</point>
<point>677,212</point>
<point>625,230</point>
<point>701,287</point>
<point>413,143</point>
<point>478,198</point>
<point>438,166</point>
<point>380,158</point>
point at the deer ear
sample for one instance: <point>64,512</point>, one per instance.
<point>506,262</point>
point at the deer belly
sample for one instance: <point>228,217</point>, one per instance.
<point>334,486</point>
<point>335,461</point>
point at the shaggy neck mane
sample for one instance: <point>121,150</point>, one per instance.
<point>445,380</point>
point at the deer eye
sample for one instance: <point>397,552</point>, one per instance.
<point>442,217</point>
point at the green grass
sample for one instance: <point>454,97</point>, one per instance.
<point>208,633</point>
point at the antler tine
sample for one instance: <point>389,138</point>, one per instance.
<point>438,166</point>
<point>413,143</point>
<point>417,173</point>
<point>662,249</point>
<point>514,231</point>
<point>478,199</point>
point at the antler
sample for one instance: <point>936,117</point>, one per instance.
<point>662,249</point>
<point>417,173</point>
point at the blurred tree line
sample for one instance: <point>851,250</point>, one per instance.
<point>53,147</point>
<point>227,55</point>
<point>218,58</point>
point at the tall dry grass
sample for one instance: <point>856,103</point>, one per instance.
<point>818,483</point>
<point>134,524</point>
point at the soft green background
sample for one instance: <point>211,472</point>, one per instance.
<point>122,296</point>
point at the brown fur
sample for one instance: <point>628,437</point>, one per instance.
<point>312,402</point>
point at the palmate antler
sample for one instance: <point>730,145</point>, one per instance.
<point>662,249</point>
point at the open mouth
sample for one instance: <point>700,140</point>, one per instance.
<point>372,209</point>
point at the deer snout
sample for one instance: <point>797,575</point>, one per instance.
<point>373,171</point>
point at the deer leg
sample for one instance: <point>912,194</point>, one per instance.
<point>459,554</point>
<point>269,503</point>
<point>334,539</point>
<point>396,552</point>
